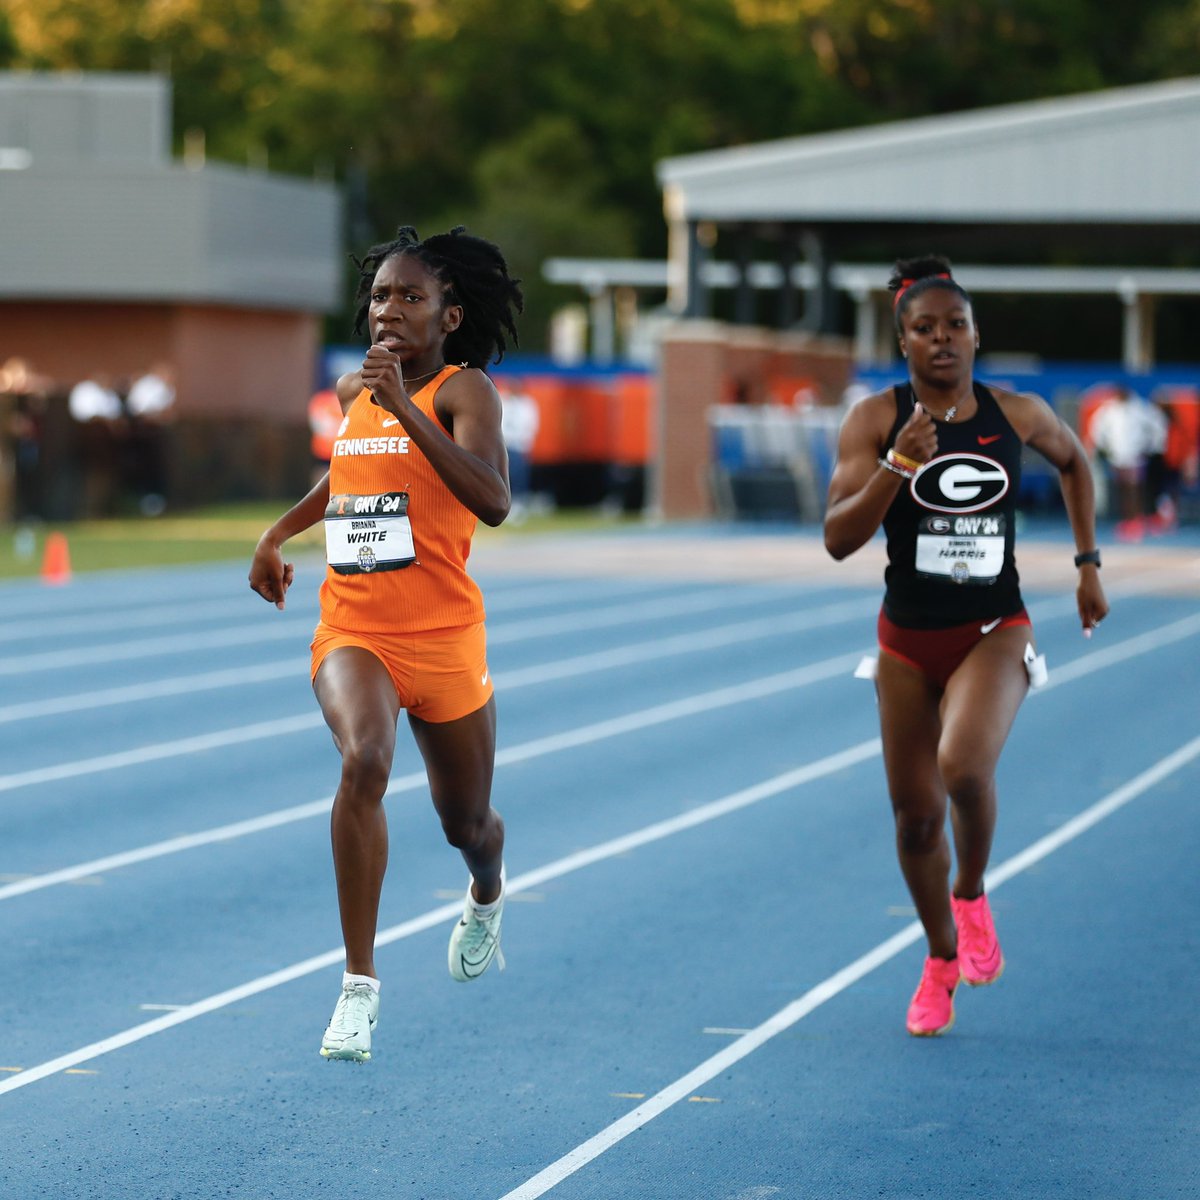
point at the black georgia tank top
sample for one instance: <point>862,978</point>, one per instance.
<point>950,530</point>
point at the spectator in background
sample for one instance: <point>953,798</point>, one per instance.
<point>1127,431</point>
<point>1179,464</point>
<point>324,421</point>
<point>101,431</point>
<point>23,396</point>
<point>95,400</point>
<point>150,405</point>
<point>741,391</point>
<point>519,422</point>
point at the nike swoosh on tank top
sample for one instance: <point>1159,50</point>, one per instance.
<point>373,456</point>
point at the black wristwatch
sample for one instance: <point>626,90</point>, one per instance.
<point>1088,556</point>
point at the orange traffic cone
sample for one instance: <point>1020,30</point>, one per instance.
<point>56,564</point>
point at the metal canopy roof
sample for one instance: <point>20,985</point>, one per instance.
<point>1126,155</point>
<point>599,274</point>
<point>1135,287</point>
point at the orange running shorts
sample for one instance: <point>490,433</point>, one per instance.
<point>440,675</point>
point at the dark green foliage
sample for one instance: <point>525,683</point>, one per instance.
<point>540,123</point>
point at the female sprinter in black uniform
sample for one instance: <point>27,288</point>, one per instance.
<point>936,461</point>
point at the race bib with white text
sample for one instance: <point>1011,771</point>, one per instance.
<point>961,549</point>
<point>368,533</point>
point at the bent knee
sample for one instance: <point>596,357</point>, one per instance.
<point>366,769</point>
<point>919,833</point>
<point>965,783</point>
<point>465,833</point>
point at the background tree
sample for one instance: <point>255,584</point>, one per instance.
<point>538,195</point>
<point>543,121</point>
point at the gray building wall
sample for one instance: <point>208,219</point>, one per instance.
<point>169,234</point>
<point>80,118</point>
<point>92,205</point>
<point>114,257</point>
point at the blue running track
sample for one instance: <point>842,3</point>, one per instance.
<point>710,948</point>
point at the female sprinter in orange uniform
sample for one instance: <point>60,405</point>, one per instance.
<point>936,461</point>
<point>419,457</point>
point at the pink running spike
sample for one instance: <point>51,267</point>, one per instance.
<point>979,955</point>
<point>932,1009</point>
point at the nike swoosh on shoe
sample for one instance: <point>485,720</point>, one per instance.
<point>468,967</point>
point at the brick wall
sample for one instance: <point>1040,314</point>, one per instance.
<point>705,363</point>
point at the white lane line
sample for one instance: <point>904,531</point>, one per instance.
<point>680,644</point>
<point>705,601</point>
<point>609,615</point>
<point>176,685</point>
<point>798,1009</point>
<point>153,591</point>
<point>565,668</point>
<point>186,642</point>
<point>614,591</point>
<point>755,689</point>
<point>1076,669</point>
<point>685,643</point>
<point>236,600</point>
<point>1065,605</point>
<point>852,756</point>
<point>187,841</point>
<point>781,1021</point>
<point>159,751</point>
<point>1110,656</point>
<point>45,628</point>
<point>581,736</point>
<point>521,677</point>
<point>264,628</point>
<point>1069,830</point>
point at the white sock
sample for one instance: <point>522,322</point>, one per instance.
<point>487,910</point>
<point>374,984</point>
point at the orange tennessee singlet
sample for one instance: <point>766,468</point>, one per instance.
<point>397,540</point>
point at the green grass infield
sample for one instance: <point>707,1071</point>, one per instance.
<point>222,534</point>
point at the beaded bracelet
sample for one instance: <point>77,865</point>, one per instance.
<point>896,470</point>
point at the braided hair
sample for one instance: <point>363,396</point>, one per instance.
<point>913,276</point>
<point>474,275</point>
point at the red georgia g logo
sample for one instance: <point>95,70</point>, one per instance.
<point>959,483</point>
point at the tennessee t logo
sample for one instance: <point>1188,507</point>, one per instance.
<point>987,441</point>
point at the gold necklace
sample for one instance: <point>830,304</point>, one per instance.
<point>419,378</point>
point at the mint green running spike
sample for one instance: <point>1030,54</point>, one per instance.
<point>355,1016</point>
